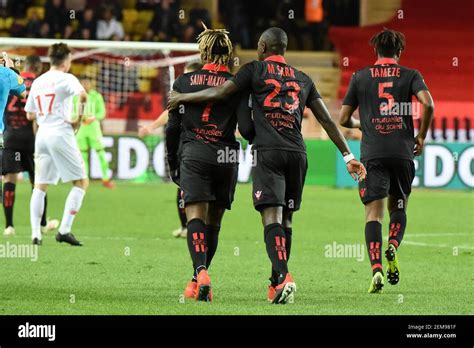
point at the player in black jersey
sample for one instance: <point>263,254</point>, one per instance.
<point>208,170</point>
<point>18,155</point>
<point>279,95</point>
<point>383,93</point>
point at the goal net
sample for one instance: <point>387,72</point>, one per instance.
<point>134,78</point>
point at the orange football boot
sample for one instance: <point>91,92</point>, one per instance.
<point>285,291</point>
<point>203,288</point>
<point>271,293</point>
<point>190,291</point>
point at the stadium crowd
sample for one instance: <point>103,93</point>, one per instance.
<point>306,21</point>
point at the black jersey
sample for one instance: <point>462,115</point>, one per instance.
<point>279,95</point>
<point>18,132</point>
<point>383,92</point>
<point>209,129</point>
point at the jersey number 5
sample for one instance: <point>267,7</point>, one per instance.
<point>51,97</point>
<point>386,95</point>
<point>292,92</point>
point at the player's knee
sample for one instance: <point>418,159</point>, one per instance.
<point>287,219</point>
<point>10,178</point>
<point>83,183</point>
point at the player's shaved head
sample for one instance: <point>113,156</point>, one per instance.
<point>272,41</point>
<point>33,64</point>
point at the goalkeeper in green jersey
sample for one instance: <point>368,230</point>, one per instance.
<point>89,135</point>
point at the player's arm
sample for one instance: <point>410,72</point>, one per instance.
<point>17,86</point>
<point>209,95</point>
<point>355,168</point>
<point>241,81</point>
<point>244,118</point>
<point>349,105</point>
<point>173,132</point>
<point>30,107</point>
<point>81,110</point>
<point>160,121</point>
<point>420,90</point>
<point>346,119</point>
<point>424,97</point>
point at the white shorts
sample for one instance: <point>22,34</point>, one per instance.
<point>57,156</point>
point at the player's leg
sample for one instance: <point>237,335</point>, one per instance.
<point>373,191</point>
<point>182,231</point>
<point>269,199</point>
<point>36,211</point>
<point>27,163</point>
<point>71,209</point>
<point>402,175</point>
<point>97,144</point>
<point>225,181</point>
<point>9,186</point>
<point>67,159</point>
<point>83,144</point>
<point>196,182</point>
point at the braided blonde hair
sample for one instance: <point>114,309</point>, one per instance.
<point>215,45</point>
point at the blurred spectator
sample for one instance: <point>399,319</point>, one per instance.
<point>165,23</point>
<point>88,26</point>
<point>33,27</point>
<point>56,16</point>
<point>76,5</point>
<point>44,32</point>
<point>14,8</point>
<point>198,15</point>
<point>315,17</point>
<point>147,4</point>
<point>287,14</point>
<point>236,22</point>
<point>108,28</point>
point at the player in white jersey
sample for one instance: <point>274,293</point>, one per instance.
<point>57,155</point>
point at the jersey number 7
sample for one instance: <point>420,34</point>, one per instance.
<point>52,96</point>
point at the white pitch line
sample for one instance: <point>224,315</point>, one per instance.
<point>439,234</point>
<point>437,245</point>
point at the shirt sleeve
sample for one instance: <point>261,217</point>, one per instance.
<point>30,105</point>
<point>17,86</point>
<point>73,86</point>
<point>417,83</point>
<point>313,92</point>
<point>243,78</point>
<point>351,95</point>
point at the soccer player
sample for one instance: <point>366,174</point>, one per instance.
<point>383,93</point>
<point>56,152</point>
<point>18,154</point>
<point>279,95</point>
<point>205,174</point>
<point>90,135</point>
<point>10,83</point>
<point>161,121</point>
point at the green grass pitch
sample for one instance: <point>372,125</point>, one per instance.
<point>131,264</point>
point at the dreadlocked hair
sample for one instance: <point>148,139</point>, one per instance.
<point>388,42</point>
<point>215,45</point>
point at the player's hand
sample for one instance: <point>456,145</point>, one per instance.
<point>144,131</point>
<point>419,145</point>
<point>88,120</point>
<point>7,62</point>
<point>174,174</point>
<point>356,170</point>
<point>174,100</point>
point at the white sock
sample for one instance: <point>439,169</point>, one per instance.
<point>36,212</point>
<point>73,204</point>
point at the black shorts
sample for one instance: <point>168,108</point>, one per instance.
<point>387,176</point>
<point>278,179</point>
<point>205,182</point>
<point>17,161</point>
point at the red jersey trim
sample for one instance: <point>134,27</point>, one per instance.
<point>215,67</point>
<point>276,58</point>
<point>381,61</point>
<point>27,74</point>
